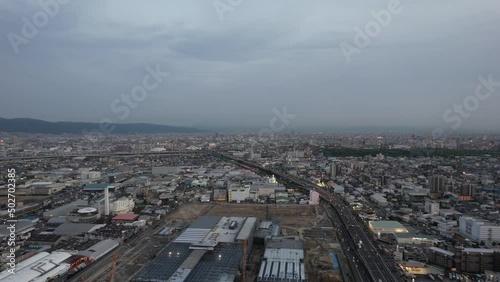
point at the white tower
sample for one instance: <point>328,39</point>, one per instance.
<point>106,201</point>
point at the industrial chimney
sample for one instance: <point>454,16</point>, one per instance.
<point>106,201</point>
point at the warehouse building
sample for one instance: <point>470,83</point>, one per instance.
<point>75,229</point>
<point>387,227</point>
<point>99,250</point>
<point>22,227</point>
<point>210,249</point>
<point>128,217</point>
<point>283,260</point>
<point>266,230</point>
<point>41,267</point>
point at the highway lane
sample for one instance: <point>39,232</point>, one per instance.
<point>376,264</point>
<point>359,272</point>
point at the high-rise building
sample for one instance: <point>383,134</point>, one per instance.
<point>380,141</point>
<point>467,192</point>
<point>385,180</point>
<point>436,186</point>
<point>335,170</point>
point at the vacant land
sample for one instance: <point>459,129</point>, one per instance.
<point>190,212</point>
<point>225,209</point>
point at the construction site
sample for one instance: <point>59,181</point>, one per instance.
<point>309,224</point>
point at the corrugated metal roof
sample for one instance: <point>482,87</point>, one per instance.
<point>39,267</point>
<point>281,271</point>
<point>284,255</point>
<point>99,249</point>
<point>281,263</point>
<point>192,235</point>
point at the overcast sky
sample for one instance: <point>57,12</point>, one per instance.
<point>263,55</point>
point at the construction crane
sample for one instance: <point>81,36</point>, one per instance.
<point>169,225</point>
<point>244,260</point>
<point>116,256</point>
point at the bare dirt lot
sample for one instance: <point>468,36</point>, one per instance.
<point>224,209</point>
<point>189,212</point>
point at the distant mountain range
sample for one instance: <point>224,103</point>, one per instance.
<point>26,125</point>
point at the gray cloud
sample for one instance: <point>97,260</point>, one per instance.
<point>263,55</point>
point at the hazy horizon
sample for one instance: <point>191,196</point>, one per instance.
<point>259,58</point>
